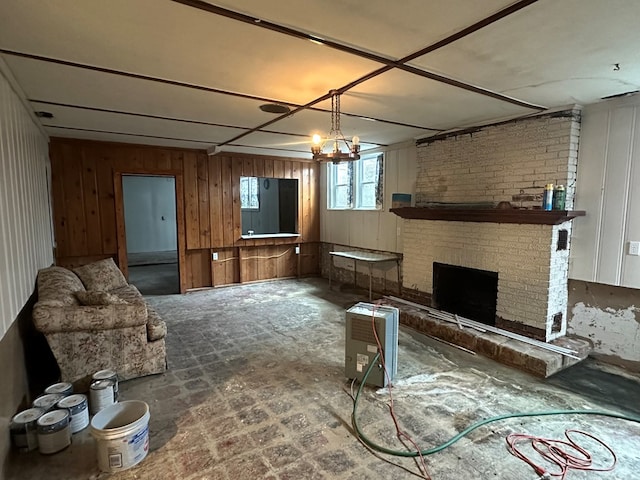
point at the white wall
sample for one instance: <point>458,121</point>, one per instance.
<point>608,189</point>
<point>25,239</point>
<point>375,230</point>
<point>25,221</point>
<point>150,213</point>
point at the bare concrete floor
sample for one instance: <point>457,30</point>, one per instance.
<point>256,390</point>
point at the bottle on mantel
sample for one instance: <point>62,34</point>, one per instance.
<point>547,198</point>
<point>559,197</point>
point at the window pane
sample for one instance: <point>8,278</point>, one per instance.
<point>341,197</point>
<point>369,170</point>
<point>367,195</point>
<point>341,173</point>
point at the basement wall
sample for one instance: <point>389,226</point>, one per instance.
<point>25,241</point>
<point>610,318</point>
<point>604,287</point>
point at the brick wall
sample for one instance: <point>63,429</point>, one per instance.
<point>492,165</point>
<point>497,162</point>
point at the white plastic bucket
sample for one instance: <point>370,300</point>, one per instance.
<point>121,431</point>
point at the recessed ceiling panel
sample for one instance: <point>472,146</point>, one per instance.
<point>389,29</point>
<point>173,41</point>
<point>551,53</point>
<point>72,118</point>
<point>57,83</point>
<point>110,137</point>
<point>312,122</point>
<point>404,97</point>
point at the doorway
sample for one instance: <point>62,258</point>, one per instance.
<point>149,204</point>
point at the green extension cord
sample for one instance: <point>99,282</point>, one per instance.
<point>467,430</point>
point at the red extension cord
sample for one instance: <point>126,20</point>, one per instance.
<point>565,454</point>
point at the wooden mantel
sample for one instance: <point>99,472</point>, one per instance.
<point>494,215</point>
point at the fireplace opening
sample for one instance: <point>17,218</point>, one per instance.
<point>468,292</point>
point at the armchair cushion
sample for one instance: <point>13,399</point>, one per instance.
<point>48,319</point>
<point>57,284</point>
<point>101,275</point>
<point>96,297</point>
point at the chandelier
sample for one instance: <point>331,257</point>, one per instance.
<point>335,138</point>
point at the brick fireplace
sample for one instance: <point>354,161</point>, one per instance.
<point>512,160</point>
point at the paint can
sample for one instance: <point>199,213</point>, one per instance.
<point>559,197</point>
<point>101,395</point>
<point>78,408</point>
<point>109,375</point>
<point>54,433</point>
<point>63,388</point>
<point>122,435</point>
<point>24,429</point>
<point>48,401</point>
<point>547,197</point>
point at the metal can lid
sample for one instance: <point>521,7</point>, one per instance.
<point>72,401</point>
<point>54,417</point>
<point>27,416</point>
<point>48,400</point>
<point>62,387</point>
<point>101,384</point>
<point>548,186</point>
<point>104,374</point>
<point>559,187</point>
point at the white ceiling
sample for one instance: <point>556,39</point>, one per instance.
<point>190,73</point>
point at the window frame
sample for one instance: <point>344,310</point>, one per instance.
<point>355,184</point>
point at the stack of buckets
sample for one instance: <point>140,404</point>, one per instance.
<point>121,429</point>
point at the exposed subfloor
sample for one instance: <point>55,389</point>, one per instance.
<point>256,389</point>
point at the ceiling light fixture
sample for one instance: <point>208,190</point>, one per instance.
<point>275,108</point>
<point>336,138</point>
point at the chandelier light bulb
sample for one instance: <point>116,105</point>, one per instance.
<point>317,139</point>
<point>355,140</point>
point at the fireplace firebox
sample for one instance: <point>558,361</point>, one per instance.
<point>468,292</point>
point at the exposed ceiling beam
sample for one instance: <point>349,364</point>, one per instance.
<point>389,63</point>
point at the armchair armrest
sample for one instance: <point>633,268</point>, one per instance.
<point>49,318</point>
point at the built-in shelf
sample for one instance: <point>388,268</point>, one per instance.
<point>269,235</point>
<point>494,215</point>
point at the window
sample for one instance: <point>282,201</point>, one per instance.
<point>355,185</point>
<point>249,197</point>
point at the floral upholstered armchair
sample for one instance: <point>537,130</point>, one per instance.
<point>93,320</point>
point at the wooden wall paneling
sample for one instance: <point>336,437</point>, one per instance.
<point>306,204</point>
<point>91,202</point>
<point>236,171</point>
<point>177,160</point>
<point>73,262</point>
<point>150,159</point>
<point>268,265</point>
<point>192,216</point>
<point>286,169</point>
<point>74,206</point>
<point>163,159</point>
<point>132,158</point>
<point>181,227</point>
<point>199,263</point>
<point>268,167</point>
<point>225,271</point>
<point>247,167</point>
<point>215,202</point>
<point>258,167</point>
<point>203,201</point>
<point>314,203</point>
<point>61,225</point>
<point>227,201</point>
<point>278,168</point>
<point>120,225</point>
<point>106,197</point>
